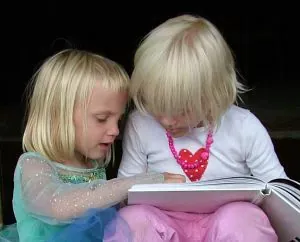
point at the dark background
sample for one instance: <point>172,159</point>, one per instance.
<point>264,40</point>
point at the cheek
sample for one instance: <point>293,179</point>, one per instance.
<point>191,121</point>
<point>85,134</point>
<point>183,122</point>
<point>78,133</point>
<point>98,130</point>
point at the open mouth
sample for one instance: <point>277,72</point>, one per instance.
<point>105,145</point>
<point>173,130</point>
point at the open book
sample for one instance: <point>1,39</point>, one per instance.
<point>279,198</point>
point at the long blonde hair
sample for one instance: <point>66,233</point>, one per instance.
<point>184,65</point>
<point>64,79</point>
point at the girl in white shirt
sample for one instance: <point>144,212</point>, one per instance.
<point>184,87</point>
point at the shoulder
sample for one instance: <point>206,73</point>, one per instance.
<point>237,113</point>
<point>32,156</point>
<point>240,116</point>
<point>244,123</point>
<point>33,159</point>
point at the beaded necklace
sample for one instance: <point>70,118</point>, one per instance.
<point>192,165</point>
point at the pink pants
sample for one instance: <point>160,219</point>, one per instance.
<point>238,221</point>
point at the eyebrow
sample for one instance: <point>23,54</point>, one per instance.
<point>103,113</point>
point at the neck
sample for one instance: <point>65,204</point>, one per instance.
<point>78,161</point>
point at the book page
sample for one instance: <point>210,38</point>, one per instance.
<point>290,182</point>
<point>181,187</point>
<point>290,186</point>
<point>289,193</point>
<point>283,215</point>
<point>230,180</point>
<point>247,182</point>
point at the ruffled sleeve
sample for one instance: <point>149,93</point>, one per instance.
<point>49,199</point>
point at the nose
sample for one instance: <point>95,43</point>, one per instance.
<point>168,121</point>
<point>113,130</point>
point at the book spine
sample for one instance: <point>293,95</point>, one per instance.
<point>261,195</point>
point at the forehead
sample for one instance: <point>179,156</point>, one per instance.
<point>106,100</point>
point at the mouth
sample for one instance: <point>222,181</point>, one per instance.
<point>172,130</point>
<point>105,145</point>
<point>177,132</point>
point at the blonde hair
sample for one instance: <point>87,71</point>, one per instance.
<point>184,65</point>
<point>63,80</point>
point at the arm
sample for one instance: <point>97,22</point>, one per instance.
<point>134,158</point>
<point>259,151</point>
<point>47,198</point>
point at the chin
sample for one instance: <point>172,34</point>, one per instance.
<point>179,134</point>
<point>95,156</point>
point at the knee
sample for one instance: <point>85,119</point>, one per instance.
<point>239,213</point>
<point>243,216</point>
<point>241,221</point>
<point>135,215</point>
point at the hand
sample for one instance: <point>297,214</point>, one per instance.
<point>123,203</point>
<point>173,178</point>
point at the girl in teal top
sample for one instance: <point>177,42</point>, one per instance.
<point>76,102</point>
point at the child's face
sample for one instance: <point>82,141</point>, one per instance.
<point>103,113</point>
<point>179,125</point>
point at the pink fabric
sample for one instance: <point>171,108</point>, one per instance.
<point>239,221</point>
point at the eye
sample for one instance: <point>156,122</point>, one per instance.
<point>101,119</point>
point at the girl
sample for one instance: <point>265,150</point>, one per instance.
<point>76,102</point>
<point>184,87</point>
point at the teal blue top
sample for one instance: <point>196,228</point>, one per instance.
<point>48,195</point>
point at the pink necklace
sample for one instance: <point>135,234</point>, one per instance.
<point>193,165</point>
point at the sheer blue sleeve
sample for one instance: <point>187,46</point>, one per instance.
<point>49,199</point>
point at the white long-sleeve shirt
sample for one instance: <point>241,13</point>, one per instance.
<point>242,146</point>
